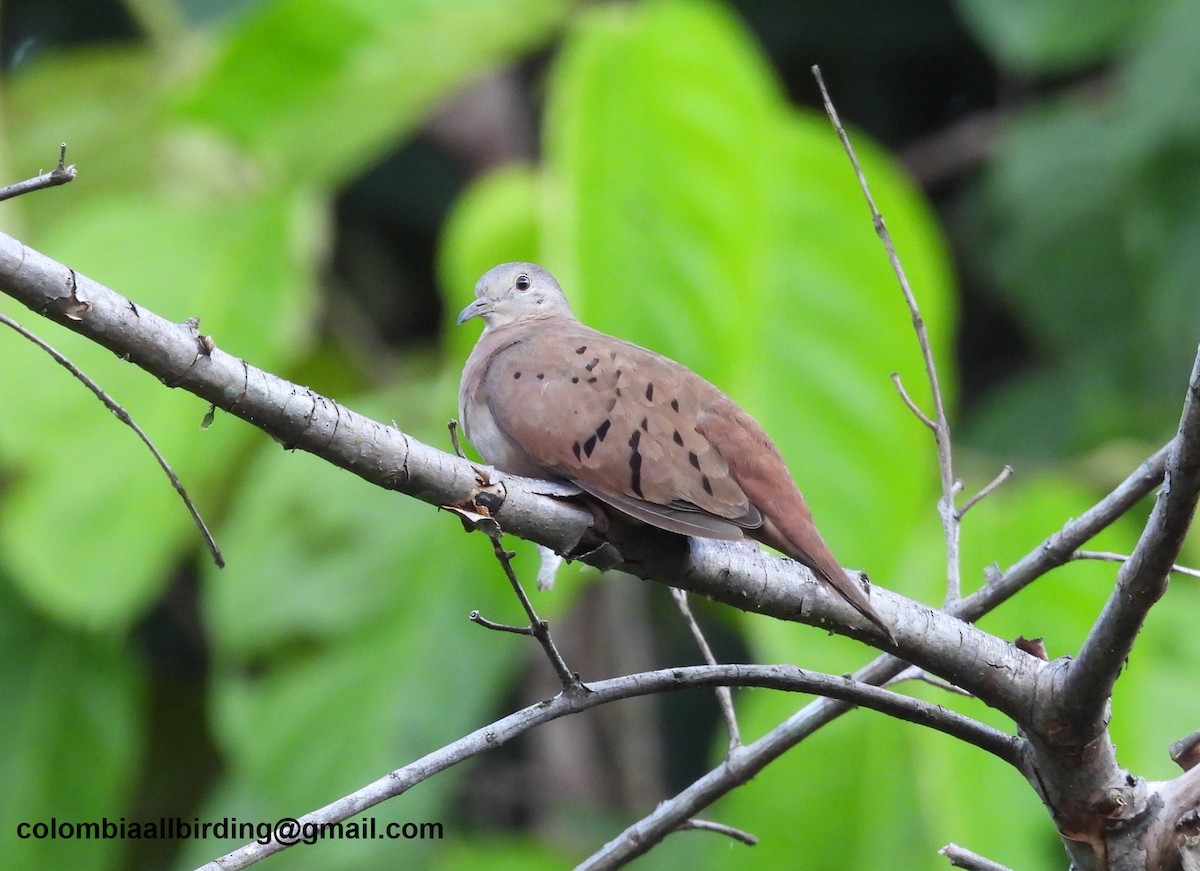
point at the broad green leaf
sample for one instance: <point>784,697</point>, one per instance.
<point>494,221</point>
<point>318,88</point>
<point>71,736</point>
<point>658,181</point>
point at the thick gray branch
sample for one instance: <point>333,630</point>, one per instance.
<point>1141,581</point>
<point>739,574</point>
<point>1105,810</point>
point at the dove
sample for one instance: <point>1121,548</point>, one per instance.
<point>544,396</point>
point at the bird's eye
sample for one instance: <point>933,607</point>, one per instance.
<point>522,283</point>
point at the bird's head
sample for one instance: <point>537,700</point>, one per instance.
<point>513,292</point>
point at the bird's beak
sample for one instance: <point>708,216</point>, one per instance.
<point>478,308</point>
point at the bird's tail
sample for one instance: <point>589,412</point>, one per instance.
<point>806,546</point>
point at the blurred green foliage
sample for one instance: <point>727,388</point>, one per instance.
<point>685,205</point>
<point>1087,220</point>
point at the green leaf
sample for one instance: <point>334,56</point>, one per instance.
<point>494,221</point>
<point>70,738</point>
<point>317,88</point>
<point>658,121</point>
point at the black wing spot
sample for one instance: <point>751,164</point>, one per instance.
<point>541,375</point>
<point>575,450</point>
<point>574,379</point>
<point>592,365</point>
<point>678,438</point>
<point>593,380</point>
<point>516,375</point>
<point>582,349</point>
<point>612,403</point>
<point>707,484</point>
<point>635,472</point>
<point>650,392</point>
<point>695,461</point>
<point>602,430</point>
<point>589,445</point>
<point>635,439</point>
<point>675,405</point>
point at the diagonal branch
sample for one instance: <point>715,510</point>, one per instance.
<point>1141,581</point>
<point>737,573</point>
<point>780,677</point>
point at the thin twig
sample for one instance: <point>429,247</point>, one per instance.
<point>538,628</point>
<point>1004,475</point>
<point>961,857</point>
<point>123,416</point>
<point>61,174</point>
<point>724,696</point>
<point>1108,556</point>
<point>452,425</point>
<point>912,406</point>
<point>476,617</point>
<point>916,673</point>
<point>1141,581</point>
<point>941,425</point>
<point>721,829</point>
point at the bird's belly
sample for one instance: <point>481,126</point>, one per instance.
<point>496,448</point>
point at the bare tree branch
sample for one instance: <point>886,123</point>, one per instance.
<point>1186,751</point>
<point>919,674</point>
<point>61,174</point>
<point>1059,548</point>
<point>538,627</point>
<point>912,406</point>
<point>1141,581</point>
<point>1004,475</point>
<point>737,573</point>
<point>721,829</point>
<point>961,857</point>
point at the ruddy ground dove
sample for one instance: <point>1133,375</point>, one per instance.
<point>544,396</point>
